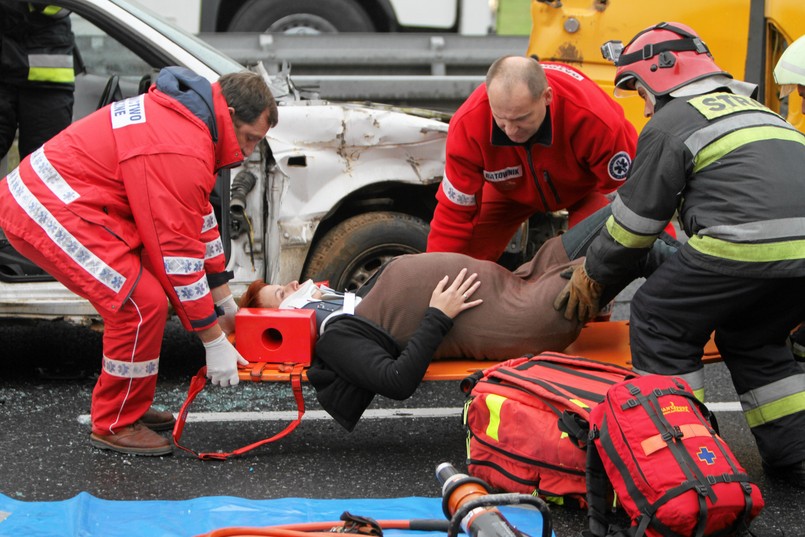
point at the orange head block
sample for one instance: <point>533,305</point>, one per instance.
<point>274,335</point>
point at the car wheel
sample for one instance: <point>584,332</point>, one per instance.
<point>350,253</point>
<point>301,17</point>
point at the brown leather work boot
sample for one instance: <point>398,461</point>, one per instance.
<point>158,420</point>
<point>133,440</point>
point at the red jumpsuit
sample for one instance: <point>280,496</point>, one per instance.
<point>116,207</point>
<point>582,151</point>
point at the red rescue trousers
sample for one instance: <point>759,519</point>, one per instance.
<point>132,339</point>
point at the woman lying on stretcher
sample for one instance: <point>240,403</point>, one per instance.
<point>410,312</point>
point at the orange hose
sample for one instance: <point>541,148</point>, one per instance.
<point>305,529</point>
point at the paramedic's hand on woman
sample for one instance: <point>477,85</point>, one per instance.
<point>222,361</point>
<point>454,299</point>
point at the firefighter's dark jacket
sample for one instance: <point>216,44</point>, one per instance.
<point>735,171</point>
<point>37,46</point>
<point>356,359</point>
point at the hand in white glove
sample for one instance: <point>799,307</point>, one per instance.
<point>222,362</point>
<point>227,320</point>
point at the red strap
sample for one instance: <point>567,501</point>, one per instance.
<point>197,384</point>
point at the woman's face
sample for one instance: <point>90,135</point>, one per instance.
<point>271,296</point>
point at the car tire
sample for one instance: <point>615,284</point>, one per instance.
<point>301,17</point>
<point>350,253</point>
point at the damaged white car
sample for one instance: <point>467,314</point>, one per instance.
<point>334,191</point>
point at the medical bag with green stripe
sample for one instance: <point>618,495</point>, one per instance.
<point>526,421</point>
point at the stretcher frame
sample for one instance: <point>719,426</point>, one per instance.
<point>605,341</point>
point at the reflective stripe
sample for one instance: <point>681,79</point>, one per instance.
<point>214,249</point>
<point>705,136</point>
<point>779,228</point>
<point>748,252</point>
<point>695,380</point>
<point>130,370</point>
<point>194,291</point>
<point>72,247</point>
<point>734,140</point>
<point>51,68</point>
<point>494,403</point>
<point>774,401</point>
<point>209,222</point>
<point>456,196</point>
<point>51,10</point>
<point>788,66</point>
<point>51,74</point>
<point>626,238</point>
<point>182,265</point>
<point>52,178</point>
<point>635,222</point>
<point>50,60</point>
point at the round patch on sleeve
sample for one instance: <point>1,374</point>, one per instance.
<point>619,165</point>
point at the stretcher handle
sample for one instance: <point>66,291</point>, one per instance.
<point>197,384</point>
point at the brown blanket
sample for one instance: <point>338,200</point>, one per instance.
<point>516,318</point>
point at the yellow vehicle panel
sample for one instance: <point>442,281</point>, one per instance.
<point>739,38</point>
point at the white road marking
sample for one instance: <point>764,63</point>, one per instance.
<point>379,413</point>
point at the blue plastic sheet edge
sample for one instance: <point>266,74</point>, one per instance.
<point>87,516</point>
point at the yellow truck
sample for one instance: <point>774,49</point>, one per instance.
<point>746,38</point>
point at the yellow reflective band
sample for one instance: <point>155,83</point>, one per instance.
<point>753,253</point>
<point>775,410</point>
<point>62,75</point>
<point>626,238</point>
<point>494,402</point>
<point>734,140</point>
<point>715,105</point>
<point>579,403</point>
<point>563,435</point>
<point>51,10</point>
<point>699,394</point>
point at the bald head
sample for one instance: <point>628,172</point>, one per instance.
<point>508,72</point>
<point>519,95</point>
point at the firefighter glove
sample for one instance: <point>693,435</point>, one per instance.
<point>226,308</point>
<point>581,296</point>
<point>222,361</point>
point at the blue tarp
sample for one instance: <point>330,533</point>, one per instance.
<point>87,516</point>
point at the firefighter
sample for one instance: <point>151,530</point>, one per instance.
<point>535,138</point>
<point>790,74</point>
<point>733,170</point>
<point>116,207</point>
<point>38,64</point>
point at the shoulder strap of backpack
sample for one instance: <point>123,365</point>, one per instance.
<point>597,501</point>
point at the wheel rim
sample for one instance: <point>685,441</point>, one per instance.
<point>302,24</point>
<point>365,265</point>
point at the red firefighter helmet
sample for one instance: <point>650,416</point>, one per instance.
<point>664,58</point>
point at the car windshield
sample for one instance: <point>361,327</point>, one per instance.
<point>216,60</point>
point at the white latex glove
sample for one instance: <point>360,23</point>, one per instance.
<point>227,320</point>
<point>222,362</point>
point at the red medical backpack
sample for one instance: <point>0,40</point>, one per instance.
<point>526,422</point>
<point>673,475</point>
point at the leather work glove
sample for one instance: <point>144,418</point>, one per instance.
<point>227,319</point>
<point>581,296</point>
<point>222,362</point>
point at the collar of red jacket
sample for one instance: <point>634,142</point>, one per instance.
<point>227,148</point>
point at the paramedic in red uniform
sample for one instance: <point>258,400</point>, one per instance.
<point>116,207</point>
<point>536,137</point>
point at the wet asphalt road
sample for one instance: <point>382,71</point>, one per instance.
<point>46,454</point>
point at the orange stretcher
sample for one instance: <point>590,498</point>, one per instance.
<point>279,346</point>
<point>606,341</point>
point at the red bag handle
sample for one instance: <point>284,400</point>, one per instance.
<point>197,384</point>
